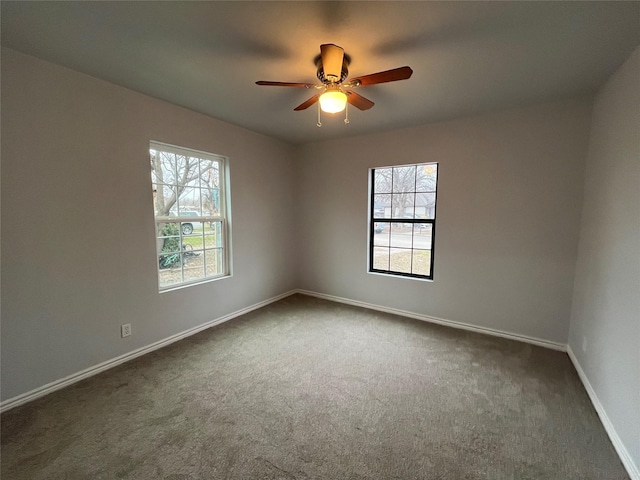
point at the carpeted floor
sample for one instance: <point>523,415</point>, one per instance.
<point>309,389</point>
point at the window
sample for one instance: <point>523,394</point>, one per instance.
<point>190,206</point>
<point>402,220</point>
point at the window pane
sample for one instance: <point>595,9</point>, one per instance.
<point>169,261</point>
<point>381,206</point>
<point>404,179</point>
<point>214,262</point>
<point>156,170</point>
<point>402,205</point>
<point>426,205</point>
<point>383,179</point>
<point>213,235</point>
<point>400,260</point>
<point>215,232</point>
<point>182,165</point>
<point>381,258</point>
<point>192,242</point>
<point>210,200</point>
<point>191,228</point>
<point>421,262</point>
<point>189,200</point>
<point>169,276</point>
<point>209,174</point>
<point>422,235</point>
<point>401,235</point>
<point>409,209</point>
<point>193,266</point>
<point>168,237</point>
<point>210,239</point>
<point>164,199</point>
<point>381,233</point>
<point>164,168</point>
<point>426,178</point>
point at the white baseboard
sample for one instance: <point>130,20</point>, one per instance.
<point>441,321</point>
<point>623,453</point>
<point>91,371</point>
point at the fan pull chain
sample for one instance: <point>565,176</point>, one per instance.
<point>319,124</point>
<point>346,113</point>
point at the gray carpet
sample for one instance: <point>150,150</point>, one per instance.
<point>309,389</point>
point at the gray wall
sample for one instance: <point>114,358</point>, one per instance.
<point>509,198</point>
<point>78,248</point>
<point>606,303</point>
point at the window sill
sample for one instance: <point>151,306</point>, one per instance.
<point>404,277</point>
<point>173,288</point>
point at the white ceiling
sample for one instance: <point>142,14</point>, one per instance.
<point>467,57</point>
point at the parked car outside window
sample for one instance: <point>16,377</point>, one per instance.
<point>378,227</point>
<point>188,227</point>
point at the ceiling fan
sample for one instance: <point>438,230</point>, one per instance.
<point>332,70</point>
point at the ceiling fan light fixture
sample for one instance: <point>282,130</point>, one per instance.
<point>333,101</point>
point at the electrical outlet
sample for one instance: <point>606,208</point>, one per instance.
<point>125,330</point>
<point>584,344</point>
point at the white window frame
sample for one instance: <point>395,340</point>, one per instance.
<point>223,217</point>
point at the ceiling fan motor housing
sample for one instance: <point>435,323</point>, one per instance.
<point>344,72</point>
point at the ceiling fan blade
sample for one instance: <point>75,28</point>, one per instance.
<point>308,103</point>
<point>392,75</point>
<point>285,84</point>
<point>359,101</point>
<point>332,57</point>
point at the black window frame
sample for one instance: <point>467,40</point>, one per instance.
<point>414,221</point>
